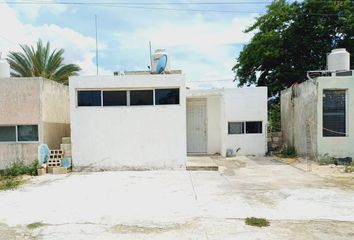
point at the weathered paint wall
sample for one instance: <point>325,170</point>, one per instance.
<point>337,146</point>
<point>142,137</point>
<point>298,117</point>
<point>17,152</point>
<point>55,112</point>
<point>33,101</point>
<point>19,101</point>
<point>19,104</point>
<point>244,104</point>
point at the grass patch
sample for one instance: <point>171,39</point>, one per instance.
<point>257,222</point>
<point>35,225</point>
<point>325,159</point>
<point>288,152</point>
<point>10,183</point>
<point>19,168</point>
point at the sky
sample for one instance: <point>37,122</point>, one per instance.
<point>202,40</point>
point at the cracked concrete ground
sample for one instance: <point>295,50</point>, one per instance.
<point>181,204</point>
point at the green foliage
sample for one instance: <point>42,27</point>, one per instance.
<point>10,183</point>
<point>325,159</point>
<point>41,62</point>
<point>35,225</point>
<point>257,222</point>
<point>289,152</point>
<point>292,38</point>
<point>17,169</point>
<point>349,168</point>
<point>274,117</point>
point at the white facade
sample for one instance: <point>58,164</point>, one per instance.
<point>128,137</point>
<point>224,106</point>
<point>158,136</point>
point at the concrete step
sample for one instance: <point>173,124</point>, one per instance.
<point>66,140</point>
<point>202,168</point>
<point>201,163</point>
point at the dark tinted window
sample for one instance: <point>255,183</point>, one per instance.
<point>334,113</point>
<point>7,134</point>
<point>166,96</point>
<point>236,128</point>
<point>114,98</point>
<point>89,98</point>
<point>253,127</point>
<point>141,97</point>
<point>27,133</point>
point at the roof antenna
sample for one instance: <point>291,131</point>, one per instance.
<point>96,45</point>
<point>150,56</point>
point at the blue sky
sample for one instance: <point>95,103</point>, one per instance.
<point>204,45</point>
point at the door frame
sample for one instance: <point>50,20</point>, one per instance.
<point>205,102</point>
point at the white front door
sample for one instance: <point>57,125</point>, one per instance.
<point>196,126</point>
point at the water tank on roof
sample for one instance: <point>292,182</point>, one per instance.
<point>160,61</point>
<point>338,60</point>
<point>4,68</point>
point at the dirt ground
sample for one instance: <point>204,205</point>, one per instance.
<point>181,204</point>
<point>331,172</point>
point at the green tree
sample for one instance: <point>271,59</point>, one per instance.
<point>41,62</point>
<point>292,38</point>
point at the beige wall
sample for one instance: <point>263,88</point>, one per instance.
<point>19,101</point>
<point>54,102</point>
<point>33,101</point>
<point>14,152</point>
<point>55,113</point>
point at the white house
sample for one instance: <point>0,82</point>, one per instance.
<point>316,115</point>
<point>145,120</point>
<point>231,118</point>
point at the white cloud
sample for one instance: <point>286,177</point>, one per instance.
<point>202,48</point>
<point>78,48</point>
<point>32,11</point>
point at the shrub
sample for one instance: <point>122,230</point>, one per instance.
<point>288,152</point>
<point>325,159</point>
<point>17,169</point>
<point>257,222</point>
<point>349,168</point>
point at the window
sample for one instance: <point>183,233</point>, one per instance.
<point>236,127</point>
<point>334,118</point>
<point>7,133</point>
<point>166,96</point>
<point>254,127</point>
<point>141,97</point>
<point>114,98</point>
<point>245,127</point>
<point>25,133</point>
<point>88,98</point>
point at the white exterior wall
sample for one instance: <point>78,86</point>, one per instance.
<point>133,137</point>
<point>336,146</point>
<point>234,105</point>
<point>244,104</point>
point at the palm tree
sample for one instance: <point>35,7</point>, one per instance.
<point>41,62</point>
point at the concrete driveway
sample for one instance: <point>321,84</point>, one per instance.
<point>180,204</point>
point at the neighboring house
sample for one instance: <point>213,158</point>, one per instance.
<point>316,115</point>
<point>140,120</point>
<point>33,110</point>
